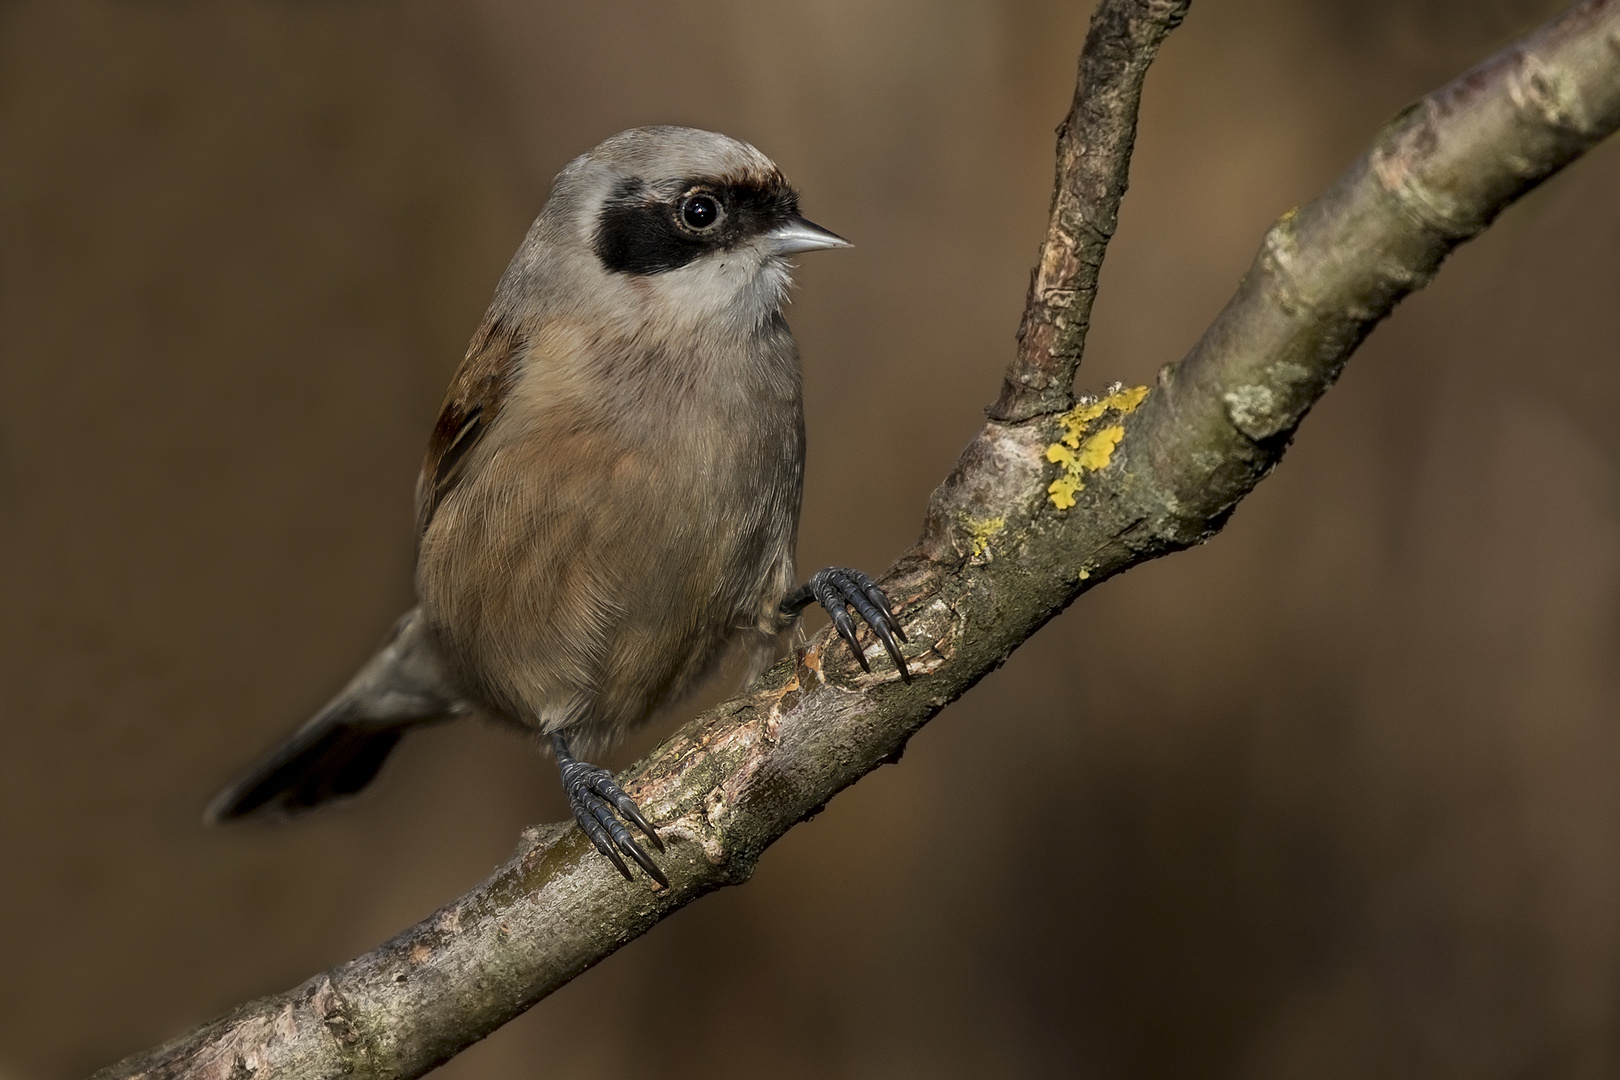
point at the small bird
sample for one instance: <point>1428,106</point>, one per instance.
<point>610,497</point>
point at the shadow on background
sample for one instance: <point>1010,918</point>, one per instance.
<point>1333,796</point>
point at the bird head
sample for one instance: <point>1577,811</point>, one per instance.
<point>689,225</point>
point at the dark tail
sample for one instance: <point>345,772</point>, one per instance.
<point>339,751</point>
<point>315,765</point>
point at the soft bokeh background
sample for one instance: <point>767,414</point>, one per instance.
<point>1337,795</point>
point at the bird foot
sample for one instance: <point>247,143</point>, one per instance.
<point>593,795</point>
<point>838,589</point>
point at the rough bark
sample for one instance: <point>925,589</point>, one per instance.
<point>1093,165</point>
<point>1044,503</point>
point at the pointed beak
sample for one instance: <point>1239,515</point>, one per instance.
<point>796,234</point>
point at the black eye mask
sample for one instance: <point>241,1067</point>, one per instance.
<point>639,233</point>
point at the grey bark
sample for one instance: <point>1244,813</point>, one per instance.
<point>1044,503</point>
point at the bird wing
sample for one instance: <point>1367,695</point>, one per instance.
<point>476,394</point>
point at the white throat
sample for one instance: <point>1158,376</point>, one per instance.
<point>729,291</point>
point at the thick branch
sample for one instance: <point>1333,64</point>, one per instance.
<point>1035,512</point>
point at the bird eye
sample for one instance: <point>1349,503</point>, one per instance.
<point>699,211</point>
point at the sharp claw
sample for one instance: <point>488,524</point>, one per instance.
<point>881,600</point>
<point>878,597</point>
<point>893,650</point>
<point>621,839</point>
<point>593,796</point>
<point>605,786</point>
<point>627,806</point>
<point>855,648</point>
<point>599,837</point>
<point>882,624</point>
<point>846,630</point>
<point>633,849</point>
<point>593,831</point>
<point>838,589</point>
<point>596,821</point>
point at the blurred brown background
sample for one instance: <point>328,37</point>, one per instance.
<point>1337,795</point>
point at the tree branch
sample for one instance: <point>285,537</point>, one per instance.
<point>1093,165</point>
<point>1039,508</point>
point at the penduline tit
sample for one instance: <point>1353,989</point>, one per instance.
<point>611,494</point>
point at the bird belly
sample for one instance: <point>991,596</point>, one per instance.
<point>576,584</point>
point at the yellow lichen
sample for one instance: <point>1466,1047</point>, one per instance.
<point>1075,420</point>
<point>1078,453</point>
<point>1084,573</point>
<point>1097,449</point>
<point>1063,489</point>
<point>1126,399</point>
<point>980,532</point>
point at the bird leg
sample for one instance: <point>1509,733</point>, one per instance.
<point>838,589</point>
<point>593,796</point>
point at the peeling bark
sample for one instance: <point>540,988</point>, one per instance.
<point>1044,503</point>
